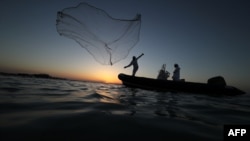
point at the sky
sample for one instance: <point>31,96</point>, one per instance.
<point>206,38</point>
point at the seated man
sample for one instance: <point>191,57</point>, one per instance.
<point>163,74</point>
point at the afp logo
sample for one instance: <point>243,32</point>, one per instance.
<point>236,132</point>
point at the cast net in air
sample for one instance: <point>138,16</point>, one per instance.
<point>107,39</point>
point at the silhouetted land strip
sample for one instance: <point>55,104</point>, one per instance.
<point>46,76</point>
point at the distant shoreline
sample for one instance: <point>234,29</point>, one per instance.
<point>43,75</point>
<point>40,75</point>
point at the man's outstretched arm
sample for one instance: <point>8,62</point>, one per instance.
<point>140,56</point>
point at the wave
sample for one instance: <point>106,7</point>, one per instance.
<point>10,89</point>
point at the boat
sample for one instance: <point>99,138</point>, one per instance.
<point>178,86</point>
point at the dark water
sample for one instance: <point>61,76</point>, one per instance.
<point>47,109</point>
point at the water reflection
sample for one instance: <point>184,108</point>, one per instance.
<point>166,104</point>
<point>143,102</point>
<point>67,97</point>
<point>108,94</point>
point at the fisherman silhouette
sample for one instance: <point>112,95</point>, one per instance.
<point>163,73</point>
<point>134,63</point>
<point>176,73</point>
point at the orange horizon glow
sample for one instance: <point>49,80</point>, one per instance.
<point>102,74</point>
<point>106,75</point>
<point>104,79</point>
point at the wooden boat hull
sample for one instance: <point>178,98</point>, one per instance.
<point>168,85</point>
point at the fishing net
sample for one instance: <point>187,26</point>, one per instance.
<point>107,39</point>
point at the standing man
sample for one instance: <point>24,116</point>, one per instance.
<point>176,74</point>
<point>135,64</point>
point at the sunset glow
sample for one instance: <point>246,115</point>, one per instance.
<point>205,38</point>
<point>106,74</point>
